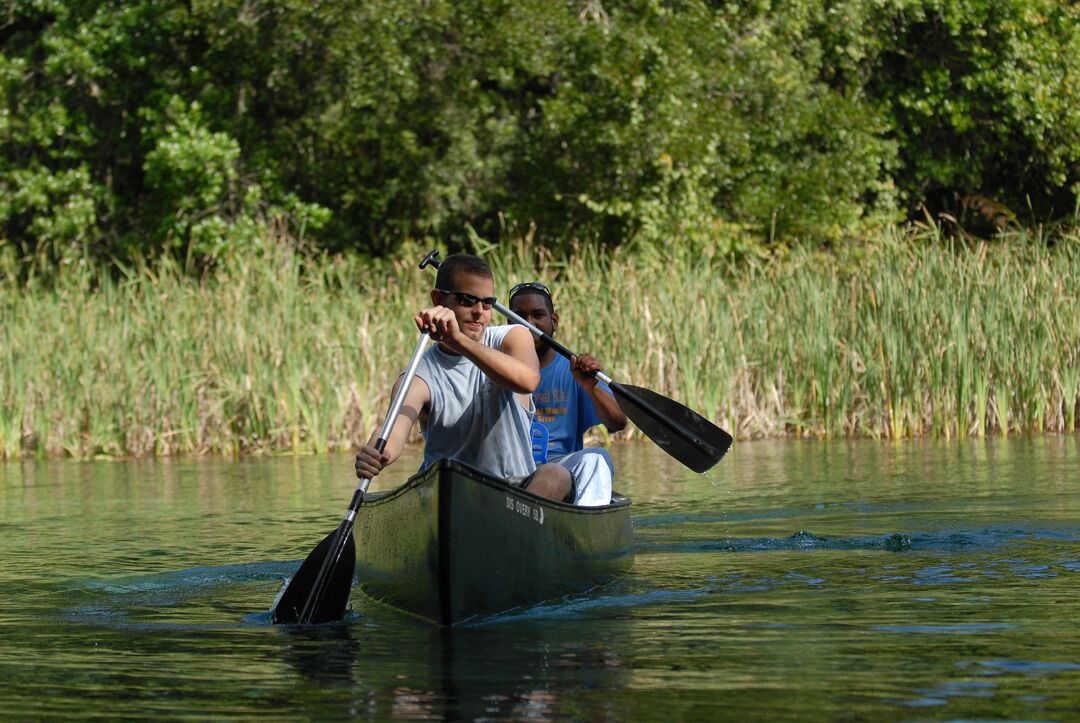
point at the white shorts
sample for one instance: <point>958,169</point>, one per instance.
<point>592,472</point>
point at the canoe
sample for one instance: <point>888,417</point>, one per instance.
<point>453,544</point>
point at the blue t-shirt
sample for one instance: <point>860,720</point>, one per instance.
<point>564,407</point>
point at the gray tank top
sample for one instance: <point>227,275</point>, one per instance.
<point>471,419</point>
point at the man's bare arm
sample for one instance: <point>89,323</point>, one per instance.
<point>369,462</point>
<point>513,367</point>
<point>584,368</point>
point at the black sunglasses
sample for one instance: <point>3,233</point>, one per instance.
<point>470,300</point>
<point>535,285</point>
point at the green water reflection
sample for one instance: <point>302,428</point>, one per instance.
<point>923,580</point>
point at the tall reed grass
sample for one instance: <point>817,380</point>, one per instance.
<point>276,350</point>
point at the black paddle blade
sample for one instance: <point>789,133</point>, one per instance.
<point>678,430</point>
<point>333,597</point>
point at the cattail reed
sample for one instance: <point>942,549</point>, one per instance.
<point>277,350</point>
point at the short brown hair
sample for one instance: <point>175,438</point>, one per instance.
<point>460,263</point>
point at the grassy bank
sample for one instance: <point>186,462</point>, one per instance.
<point>279,351</point>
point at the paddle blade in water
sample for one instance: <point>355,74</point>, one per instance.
<point>329,596</point>
<point>678,430</point>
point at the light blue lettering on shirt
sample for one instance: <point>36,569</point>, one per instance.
<point>564,407</point>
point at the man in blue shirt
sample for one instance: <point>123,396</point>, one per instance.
<point>569,401</point>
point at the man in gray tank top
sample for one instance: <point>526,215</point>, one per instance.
<point>472,392</point>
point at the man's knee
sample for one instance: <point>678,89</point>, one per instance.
<point>552,481</point>
<point>556,474</point>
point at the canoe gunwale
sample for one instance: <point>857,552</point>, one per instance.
<point>421,477</point>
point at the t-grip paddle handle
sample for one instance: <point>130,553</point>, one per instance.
<point>432,259</point>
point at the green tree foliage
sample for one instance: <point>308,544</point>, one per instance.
<point>131,127</point>
<point>982,95</point>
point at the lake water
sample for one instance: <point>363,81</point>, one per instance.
<point>803,580</point>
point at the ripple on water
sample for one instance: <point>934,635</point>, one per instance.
<point>957,629</point>
<point>874,581</point>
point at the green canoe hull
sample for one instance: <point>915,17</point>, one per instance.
<point>453,544</point>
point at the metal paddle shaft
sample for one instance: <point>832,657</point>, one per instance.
<point>319,591</point>
<point>680,431</point>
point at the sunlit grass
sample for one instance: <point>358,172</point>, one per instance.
<point>911,335</point>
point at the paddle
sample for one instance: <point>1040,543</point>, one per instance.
<point>319,591</point>
<point>678,430</point>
